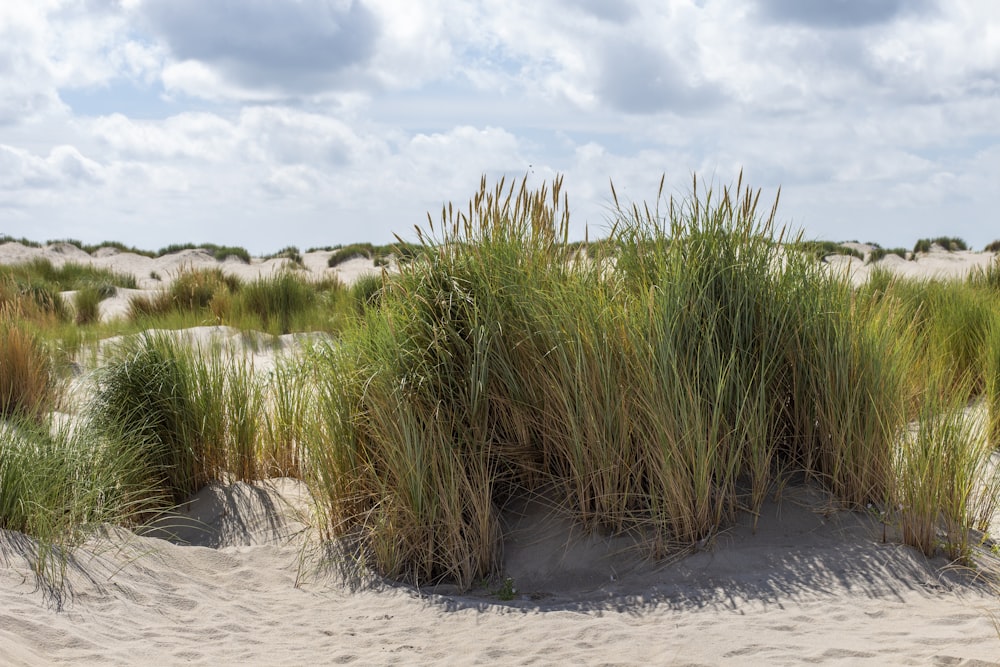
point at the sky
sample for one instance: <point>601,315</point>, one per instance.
<point>268,123</point>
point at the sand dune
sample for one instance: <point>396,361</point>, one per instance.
<point>241,582</point>
<point>237,576</point>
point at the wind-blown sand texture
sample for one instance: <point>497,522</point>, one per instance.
<point>238,576</point>
<point>811,586</point>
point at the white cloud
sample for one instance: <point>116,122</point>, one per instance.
<point>63,167</point>
<point>199,136</point>
<point>279,128</point>
<point>290,48</point>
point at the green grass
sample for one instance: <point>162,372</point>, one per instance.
<point>402,251</point>
<point>87,305</point>
<point>660,382</point>
<point>367,290</point>
<point>496,369</point>
<point>195,415</point>
<point>878,253</point>
<point>68,277</point>
<point>284,302</point>
<point>278,301</point>
<point>290,252</point>
<point>27,388</point>
<point>823,249</point>
<point>218,252</point>
<point>949,243</point>
<point>60,487</point>
<point>7,238</point>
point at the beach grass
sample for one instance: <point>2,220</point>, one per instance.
<point>949,243</point>
<point>27,387</point>
<point>659,383</point>
<point>60,485</point>
<point>662,397</point>
<point>277,304</point>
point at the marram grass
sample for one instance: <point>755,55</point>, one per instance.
<point>660,386</point>
<point>662,397</point>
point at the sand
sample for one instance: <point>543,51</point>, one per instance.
<point>242,581</point>
<point>239,576</point>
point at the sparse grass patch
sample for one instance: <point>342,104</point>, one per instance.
<point>87,304</point>
<point>218,252</point>
<point>878,253</point>
<point>823,249</point>
<point>949,243</point>
<point>291,252</point>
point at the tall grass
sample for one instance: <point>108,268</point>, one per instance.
<point>87,304</point>
<point>277,304</point>
<point>943,461</point>
<point>59,487</point>
<point>278,300</point>
<point>197,415</point>
<point>27,388</point>
<point>662,396</point>
<point>877,253</point>
<point>822,249</point>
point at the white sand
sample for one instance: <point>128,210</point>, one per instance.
<point>938,263</point>
<point>237,577</point>
<point>811,586</point>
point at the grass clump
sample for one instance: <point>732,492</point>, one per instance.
<point>220,253</point>
<point>403,252</point>
<point>353,251</point>
<point>944,460</point>
<point>27,389</point>
<point>367,290</point>
<point>193,290</point>
<point>290,252</point>
<point>195,415</point>
<point>949,243</point>
<point>496,369</point>
<point>87,304</point>
<point>992,246</point>
<point>59,487</point>
<point>32,302</point>
<point>277,300</point>
<point>823,249</point>
<point>877,253</point>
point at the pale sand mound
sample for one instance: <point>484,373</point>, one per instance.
<point>813,585</point>
<point>157,273</point>
<point>936,264</point>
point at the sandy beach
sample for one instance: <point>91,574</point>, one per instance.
<point>239,575</point>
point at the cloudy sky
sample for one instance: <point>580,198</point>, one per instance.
<point>265,123</point>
